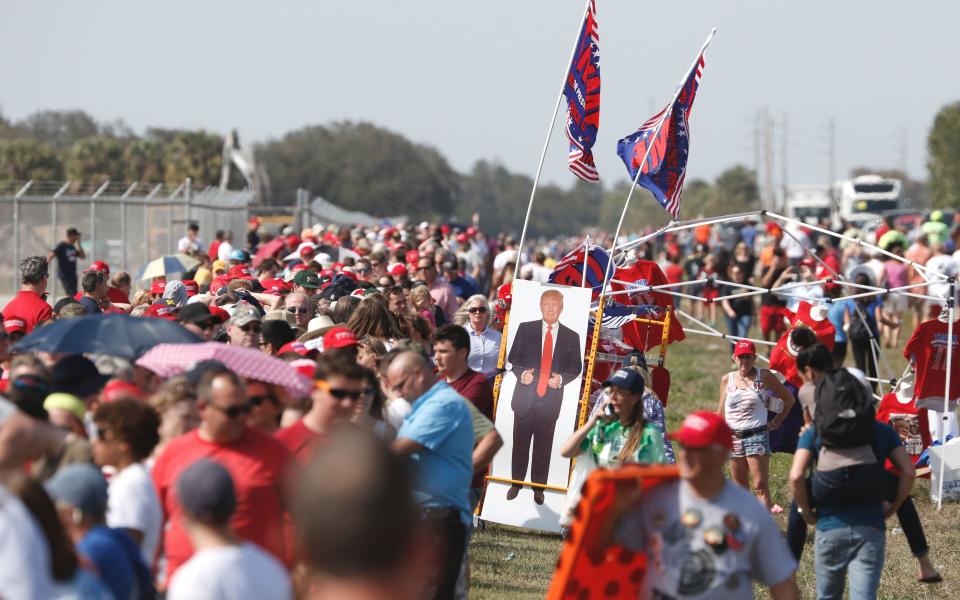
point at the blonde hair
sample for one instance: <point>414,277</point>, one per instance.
<point>420,297</point>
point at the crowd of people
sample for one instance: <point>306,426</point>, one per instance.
<point>122,482</point>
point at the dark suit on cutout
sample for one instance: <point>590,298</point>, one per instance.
<point>535,418</point>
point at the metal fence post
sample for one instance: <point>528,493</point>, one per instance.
<point>123,224</point>
<point>55,209</point>
<point>188,194</point>
<point>16,235</point>
<point>93,218</point>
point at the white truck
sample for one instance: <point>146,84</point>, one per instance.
<point>866,197</point>
<point>809,203</point>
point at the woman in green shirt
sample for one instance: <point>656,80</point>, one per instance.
<point>624,436</point>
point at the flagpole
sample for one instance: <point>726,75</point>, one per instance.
<point>546,142</point>
<point>646,154</point>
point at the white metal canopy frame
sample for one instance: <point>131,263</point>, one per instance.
<point>862,291</point>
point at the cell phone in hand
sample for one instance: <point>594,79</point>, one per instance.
<point>609,410</point>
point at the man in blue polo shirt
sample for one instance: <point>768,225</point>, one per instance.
<point>437,435</point>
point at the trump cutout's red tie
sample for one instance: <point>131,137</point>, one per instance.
<point>546,357</point>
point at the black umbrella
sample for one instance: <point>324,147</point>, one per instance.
<point>114,334</point>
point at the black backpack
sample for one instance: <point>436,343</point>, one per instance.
<point>844,411</point>
<point>858,329</point>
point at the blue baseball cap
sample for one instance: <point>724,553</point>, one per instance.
<point>240,255</point>
<point>628,379</point>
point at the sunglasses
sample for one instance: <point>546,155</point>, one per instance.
<point>746,356</point>
<point>251,327</point>
<point>298,310</point>
<point>258,400</point>
<point>234,411</point>
<point>364,271</point>
<point>30,382</point>
<point>477,309</point>
<point>340,394</point>
<point>424,267</point>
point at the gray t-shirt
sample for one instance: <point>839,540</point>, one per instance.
<point>706,550</point>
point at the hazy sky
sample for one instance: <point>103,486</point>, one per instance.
<point>479,79</point>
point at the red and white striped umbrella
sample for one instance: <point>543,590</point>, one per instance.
<point>167,360</point>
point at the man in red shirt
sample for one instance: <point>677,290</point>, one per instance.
<point>339,389</point>
<point>30,304</point>
<point>258,464</point>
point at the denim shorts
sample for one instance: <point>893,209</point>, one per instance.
<point>755,444</point>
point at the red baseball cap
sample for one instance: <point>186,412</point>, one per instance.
<point>412,256</point>
<point>191,286</point>
<point>239,272</point>
<point>12,325</point>
<point>808,262</point>
<point>157,287</point>
<point>161,311</point>
<point>293,241</point>
<point>339,337</point>
<point>276,287</point>
<point>99,265</point>
<point>220,314</point>
<point>397,270</point>
<point>744,347</point>
<point>117,389</point>
<point>307,251</point>
<point>295,346</point>
<point>305,367</point>
<point>704,428</point>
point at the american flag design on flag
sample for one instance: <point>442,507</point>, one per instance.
<point>582,91</point>
<point>569,269</point>
<point>668,135</point>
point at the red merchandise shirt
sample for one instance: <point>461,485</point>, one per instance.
<point>927,350</point>
<point>258,465</point>
<point>642,273</point>
<point>299,440</point>
<point>29,307</point>
<point>474,386</point>
<point>214,249</point>
<point>909,422</point>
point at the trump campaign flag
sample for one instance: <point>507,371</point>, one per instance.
<point>656,154</point>
<point>569,270</point>
<point>582,91</point>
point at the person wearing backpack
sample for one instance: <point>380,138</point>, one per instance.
<point>849,448</point>
<point>813,363</point>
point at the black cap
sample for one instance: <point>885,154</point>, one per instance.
<point>75,374</point>
<point>73,231</point>
<point>196,313</point>
<point>61,303</point>
<point>340,286</point>
<point>206,493</point>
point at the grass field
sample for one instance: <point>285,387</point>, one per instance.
<point>513,563</point>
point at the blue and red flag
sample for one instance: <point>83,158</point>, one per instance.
<point>668,135</point>
<point>569,269</point>
<point>582,90</point>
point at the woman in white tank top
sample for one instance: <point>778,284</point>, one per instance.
<point>745,397</point>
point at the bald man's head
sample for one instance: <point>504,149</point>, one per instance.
<point>410,375</point>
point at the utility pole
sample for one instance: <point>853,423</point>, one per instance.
<point>784,159</point>
<point>769,199</point>
<point>832,155</point>
<point>903,150</point>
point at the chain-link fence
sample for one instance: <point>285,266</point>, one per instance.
<point>125,225</point>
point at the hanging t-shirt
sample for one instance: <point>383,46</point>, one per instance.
<point>909,422</point>
<point>927,350</point>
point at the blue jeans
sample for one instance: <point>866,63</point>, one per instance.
<point>855,552</point>
<point>738,326</point>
